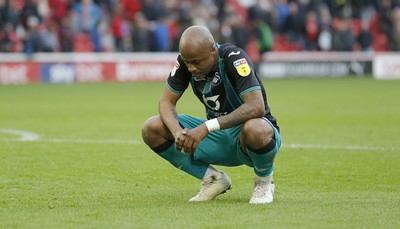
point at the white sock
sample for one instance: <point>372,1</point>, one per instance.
<point>267,178</point>
<point>210,171</point>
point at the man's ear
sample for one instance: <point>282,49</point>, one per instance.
<point>214,48</point>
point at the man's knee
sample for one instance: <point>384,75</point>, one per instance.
<point>257,132</point>
<point>151,128</point>
<point>155,132</point>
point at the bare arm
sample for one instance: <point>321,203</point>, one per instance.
<point>253,107</point>
<point>167,110</point>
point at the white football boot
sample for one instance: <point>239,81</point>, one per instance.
<point>215,182</point>
<point>263,192</point>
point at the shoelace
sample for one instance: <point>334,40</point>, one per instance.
<point>261,189</point>
<point>207,183</point>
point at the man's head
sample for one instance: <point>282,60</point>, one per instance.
<point>198,51</point>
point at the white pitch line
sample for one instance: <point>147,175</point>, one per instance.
<point>26,136</point>
<point>98,141</point>
<point>368,148</point>
<point>137,142</point>
<point>78,141</point>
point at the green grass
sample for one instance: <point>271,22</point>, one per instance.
<point>90,169</point>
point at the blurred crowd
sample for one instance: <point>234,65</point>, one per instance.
<point>155,25</point>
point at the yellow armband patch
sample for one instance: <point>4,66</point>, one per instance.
<point>242,67</point>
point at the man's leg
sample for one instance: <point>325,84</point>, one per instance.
<point>157,136</point>
<point>261,142</point>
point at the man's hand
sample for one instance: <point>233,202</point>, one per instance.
<point>187,140</point>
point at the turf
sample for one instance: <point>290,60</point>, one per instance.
<point>338,167</point>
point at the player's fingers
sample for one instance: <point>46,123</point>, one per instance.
<point>179,141</point>
<point>185,145</point>
<point>181,134</point>
<point>180,138</point>
<point>195,144</point>
<point>193,147</point>
<point>190,144</point>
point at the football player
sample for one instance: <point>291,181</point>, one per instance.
<point>239,128</point>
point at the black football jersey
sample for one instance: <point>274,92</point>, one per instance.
<point>221,91</point>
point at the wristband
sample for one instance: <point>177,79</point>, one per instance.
<point>212,125</point>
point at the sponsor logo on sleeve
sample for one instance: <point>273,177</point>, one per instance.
<point>234,53</point>
<point>176,67</point>
<point>242,67</point>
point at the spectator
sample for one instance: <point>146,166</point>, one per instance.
<point>365,37</point>
<point>293,25</point>
<point>260,24</point>
<point>130,8</point>
<point>66,33</point>
<point>9,41</point>
<point>153,9</point>
<point>141,36</point>
<point>325,40</point>
<point>29,11</point>
<point>233,28</point>
<point>106,41</point>
<point>282,9</point>
<point>264,36</point>
<point>160,23</point>
<point>385,12</point>
<point>311,27</point>
<point>87,18</point>
<point>49,37</point>
<point>325,36</point>
<point>161,37</point>
<point>117,27</point>
<point>394,41</point>
<point>3,13</point>
<point>33,40</point>
<point>344,38</point>
<point>59,9</point>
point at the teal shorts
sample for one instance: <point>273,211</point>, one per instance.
<point>222,147</point>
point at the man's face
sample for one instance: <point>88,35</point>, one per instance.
<point>200,62</point>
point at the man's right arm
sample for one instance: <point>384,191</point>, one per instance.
<point>167,110</point>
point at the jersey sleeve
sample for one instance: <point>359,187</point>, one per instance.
<point>240,71</point>
<point>179,77</point>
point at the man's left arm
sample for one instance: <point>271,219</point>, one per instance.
<point>253,107</point>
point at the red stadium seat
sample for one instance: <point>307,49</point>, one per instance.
<point>82,43</point>
<point>380,43</point>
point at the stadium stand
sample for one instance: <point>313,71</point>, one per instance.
<point>258,26</point>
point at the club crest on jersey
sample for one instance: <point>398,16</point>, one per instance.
<point>176,67</point>
<point>217,79</point>
<point>242,67</point>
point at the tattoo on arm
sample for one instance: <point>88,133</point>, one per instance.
<point>253,107</point>
<point>174,114</point>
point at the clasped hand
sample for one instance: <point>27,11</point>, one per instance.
<point>187,140</point>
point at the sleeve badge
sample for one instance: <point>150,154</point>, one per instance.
<point>242,67</point>
<point>176,67</point>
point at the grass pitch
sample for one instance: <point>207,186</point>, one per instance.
<point>72,157</point>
